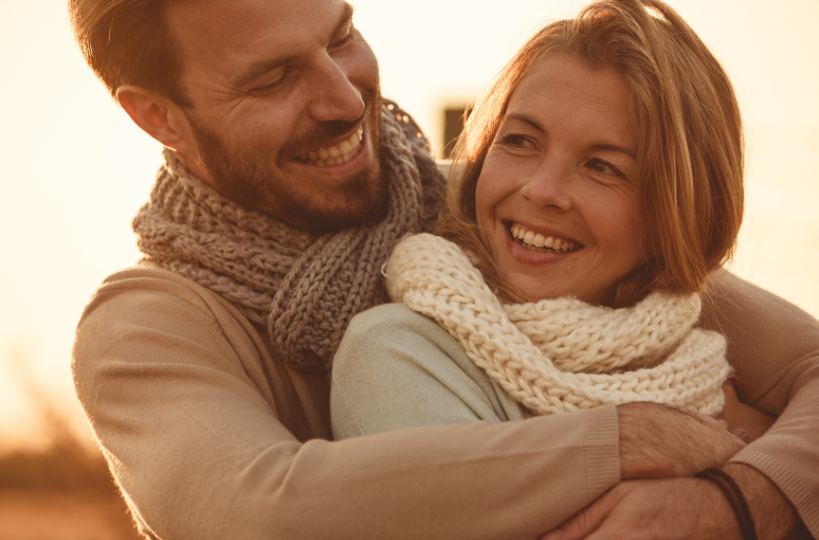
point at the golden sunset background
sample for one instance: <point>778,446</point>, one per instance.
<point>74,169</point>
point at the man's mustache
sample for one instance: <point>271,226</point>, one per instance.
<point>325,132</point>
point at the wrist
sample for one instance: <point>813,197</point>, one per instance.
<point>732,494</point>
<point>773,514</point>
<point>722,516</point>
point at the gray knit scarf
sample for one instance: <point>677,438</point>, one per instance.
<point>303,287</point>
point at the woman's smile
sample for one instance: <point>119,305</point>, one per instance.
<point>541,242</point>
<point>556,199</point>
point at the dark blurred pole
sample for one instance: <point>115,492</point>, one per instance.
<point>454,120</point>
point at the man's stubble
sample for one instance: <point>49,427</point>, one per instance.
<point>240,173</point>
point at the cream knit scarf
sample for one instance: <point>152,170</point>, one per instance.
<point>304,288</point>
<point>563,354</point>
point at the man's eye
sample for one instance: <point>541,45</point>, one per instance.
<point>344,37</point>
<point>272,87</point>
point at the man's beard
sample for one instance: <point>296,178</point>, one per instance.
<point>241,174</point>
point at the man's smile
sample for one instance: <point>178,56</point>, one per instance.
<point>335,154</point>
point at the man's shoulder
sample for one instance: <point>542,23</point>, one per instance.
<point>146,316</point>
<point>147,276</point>
<point>147,294</point>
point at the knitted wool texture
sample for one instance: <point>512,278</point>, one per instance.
<point>563,354</point>
<point>303,287</point>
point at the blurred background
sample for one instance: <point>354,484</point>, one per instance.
<point>75,171</point>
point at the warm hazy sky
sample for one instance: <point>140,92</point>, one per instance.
<point>74,169</point>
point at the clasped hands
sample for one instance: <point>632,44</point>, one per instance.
<point>660,450</point>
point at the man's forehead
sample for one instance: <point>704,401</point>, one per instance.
<point>240,30</point>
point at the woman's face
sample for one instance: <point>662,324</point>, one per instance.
<point>556,200</point>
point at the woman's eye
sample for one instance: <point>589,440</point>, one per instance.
<point>515,141</point>
<point>602,167</point>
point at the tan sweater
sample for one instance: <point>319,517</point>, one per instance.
<point>211,435</point>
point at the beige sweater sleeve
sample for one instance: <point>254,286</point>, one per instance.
<point>183,399</point>
<point>774,348</point>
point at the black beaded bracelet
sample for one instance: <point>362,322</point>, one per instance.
<point>736,499</point>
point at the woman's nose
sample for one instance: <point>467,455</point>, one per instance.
<point>550,184</point>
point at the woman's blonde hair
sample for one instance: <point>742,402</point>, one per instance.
<point>690,148</point>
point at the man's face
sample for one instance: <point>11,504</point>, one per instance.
<point>286,107</point>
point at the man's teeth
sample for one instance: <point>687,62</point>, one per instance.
<point>532,239</point>
<point>336,154</point>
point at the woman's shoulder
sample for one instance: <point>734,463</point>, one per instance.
<point>392,345</point>
<point>380,338</point>
<point>396,327</point>
<point>392,317</point>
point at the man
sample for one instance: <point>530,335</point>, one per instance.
<point>203,369</point>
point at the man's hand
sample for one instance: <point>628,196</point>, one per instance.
<point>741,416</point>
<point>673,508</point>
<point>659,442</point>
<point>684,508</point>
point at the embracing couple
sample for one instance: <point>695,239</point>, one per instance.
<point>328,338</point>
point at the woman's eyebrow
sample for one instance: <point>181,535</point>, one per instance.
<point>525,119</point>
<point>518,117</point>
<point>258,69</point>
<point>613,147</point>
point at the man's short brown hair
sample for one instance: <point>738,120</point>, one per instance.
<point>129,42</point>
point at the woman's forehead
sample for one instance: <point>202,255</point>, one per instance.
<point>562,93</point>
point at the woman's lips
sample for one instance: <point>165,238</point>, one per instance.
<point>539,242</point>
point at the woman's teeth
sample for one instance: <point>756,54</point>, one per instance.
<point>336,154</point>
<point>538,242</point>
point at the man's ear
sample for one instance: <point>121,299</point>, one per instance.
<point>159,117</point>
<point>163,120</point>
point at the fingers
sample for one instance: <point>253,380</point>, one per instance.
<point>656,442</point>
<point>590,518</point>
<point>741,434</point>
<point>730,391</point>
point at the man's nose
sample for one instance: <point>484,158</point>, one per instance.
<point>551,184</point>
<point>334,96</point>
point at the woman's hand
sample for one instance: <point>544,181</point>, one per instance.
<point>741,416</point>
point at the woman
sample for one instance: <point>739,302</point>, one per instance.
<point>596,187</point>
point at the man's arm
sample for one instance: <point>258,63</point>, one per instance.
<point>684,508</point>
<point>774,348</point>
<point>187,408</point>
<point>188,416</point>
